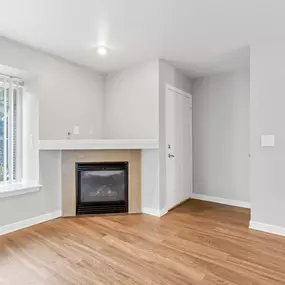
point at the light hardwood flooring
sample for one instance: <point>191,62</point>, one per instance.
<point>196,243</point>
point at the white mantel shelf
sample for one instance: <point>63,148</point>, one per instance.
<point>96,144</point>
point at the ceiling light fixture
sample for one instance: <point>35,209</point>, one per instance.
<point>102,50</point>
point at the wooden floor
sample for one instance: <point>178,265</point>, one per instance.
<point>196,243</point>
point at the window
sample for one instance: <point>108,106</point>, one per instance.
<point>10,130</point>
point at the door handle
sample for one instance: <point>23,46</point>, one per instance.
<point>171,155</point>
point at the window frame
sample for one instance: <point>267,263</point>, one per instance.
<point>12,150</point>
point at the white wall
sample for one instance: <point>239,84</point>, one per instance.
<point>26,206</point>
<point>61,95</point>
<point>134,107</point>
<point>131,103</point>
<point>150,180</point>
<point>221,135</point>
<point>68,94</point>
<point>267,101</point>
<point>167,75</point>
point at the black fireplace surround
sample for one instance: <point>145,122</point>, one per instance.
<point>101,188</point>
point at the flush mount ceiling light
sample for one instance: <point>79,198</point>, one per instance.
<point>102,50</point>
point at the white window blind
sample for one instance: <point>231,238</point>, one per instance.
<point>10,130</point>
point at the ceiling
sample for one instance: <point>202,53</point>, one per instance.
<point>199,36</point>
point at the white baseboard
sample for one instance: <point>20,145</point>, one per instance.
<point>29,222</point>
<point>277,230</point>
<point>163,212</point>
<point>237,203</point>
<point>154,212</point>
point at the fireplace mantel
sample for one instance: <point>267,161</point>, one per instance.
<point>96,144</point>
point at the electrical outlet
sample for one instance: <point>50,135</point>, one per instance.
<point>76,130</point>
<point>91,131</point>
<point>267,140</point>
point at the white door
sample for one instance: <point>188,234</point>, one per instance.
<point>178,146</point>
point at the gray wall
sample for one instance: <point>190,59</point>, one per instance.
<point>68,94</point>
<point>221,135</point>
<point>131,103</point>
<point>267,116</point>
<point>150,179</point>
<point>167,75</point>
<point>18,208</point>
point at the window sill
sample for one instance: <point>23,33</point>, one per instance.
<point>19,189</point>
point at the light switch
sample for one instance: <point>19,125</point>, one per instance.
<point>76,130</point>
<point>267,140</point>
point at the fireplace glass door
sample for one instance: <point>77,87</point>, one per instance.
<point>102,187</point>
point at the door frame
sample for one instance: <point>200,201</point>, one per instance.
<point>188,95</point>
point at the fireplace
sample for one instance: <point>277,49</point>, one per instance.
<point>101,188</point>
